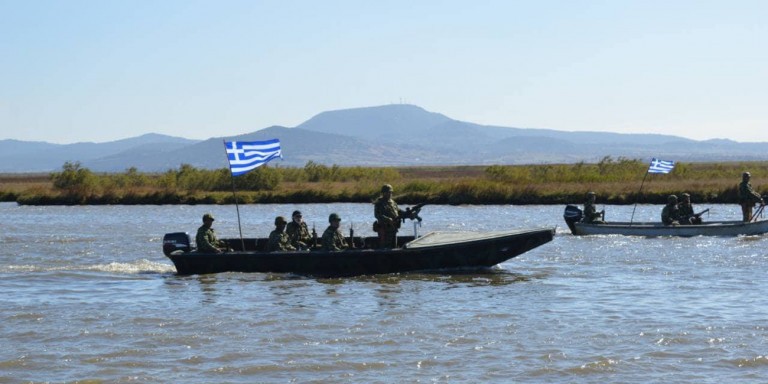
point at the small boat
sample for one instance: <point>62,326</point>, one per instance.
<point>572,217</point>
<point>433,251</point>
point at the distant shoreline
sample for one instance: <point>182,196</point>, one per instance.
<point>616,182</point>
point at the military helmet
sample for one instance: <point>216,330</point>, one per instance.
<point>686,194</point>
<point>280,220</point>
<point>386,188</point>
<point>672,198</point>
<point>746,174</point>
<point>590,193</point>
<point>296,213</point>
<point>334,216</point>
<point>208,216</point>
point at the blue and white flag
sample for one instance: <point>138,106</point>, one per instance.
<point>246,156</point>
<point>661,166</point>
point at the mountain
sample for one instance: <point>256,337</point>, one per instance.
<point>468,143</point>
<point>389,135</point>
<point>25,156</point>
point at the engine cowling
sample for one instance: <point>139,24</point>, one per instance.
<point>176,241</point>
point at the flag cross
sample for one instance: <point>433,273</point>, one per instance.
<point>237,151</point>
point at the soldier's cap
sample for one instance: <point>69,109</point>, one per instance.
<point>280,220</point>
<point>296,213</point>
<point>686,194</point>
<point>208,216</point>
<point>671,198</point>
<point>334,217</point>
<point>590,194</point>
<point>386,188</point>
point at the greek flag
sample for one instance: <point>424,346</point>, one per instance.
<point>661,166</point>
<point>246,156</point>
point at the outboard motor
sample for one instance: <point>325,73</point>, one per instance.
<point>572,215</point>
<point>176,241</point>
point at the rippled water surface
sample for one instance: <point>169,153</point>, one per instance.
<point>88,295</point>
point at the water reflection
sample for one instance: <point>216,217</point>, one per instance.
<point>474,277</point>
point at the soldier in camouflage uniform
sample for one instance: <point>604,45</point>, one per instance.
<point>388,217</point>
<point>687,216</point>
<point>206,238</point>
<point>670,215</point>
<point>591,215</point>
<point>747,197</point>
<point>298,232</point>
<point>333,239</point>
<point>278,239</point>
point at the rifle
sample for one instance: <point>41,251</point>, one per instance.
<point>695,216</point>
<point>351,236</point>
<point>412,212</point>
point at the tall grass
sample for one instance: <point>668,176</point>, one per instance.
<point>616,181</point>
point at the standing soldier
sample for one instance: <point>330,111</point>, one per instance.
<point>388,217</point>
<point>333,239</point>
<point>298,232</point>
<point>278,239</point>
<point>206,238</point>
<point>747,197</point>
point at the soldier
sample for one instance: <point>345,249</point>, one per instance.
<point>687,216</point>
<point>591,215</point>
<point>206,237</point>
<point>388,217</point>
<point>670,215</point>
<point>278,239</point>
<point>333,239</point>
<point>298,232</point>
<point>747,197</point>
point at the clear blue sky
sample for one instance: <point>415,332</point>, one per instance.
<point>103,70</point>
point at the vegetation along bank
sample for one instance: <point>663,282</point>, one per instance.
<point>616,181</point>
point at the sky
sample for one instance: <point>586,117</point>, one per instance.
<point>95,70</point>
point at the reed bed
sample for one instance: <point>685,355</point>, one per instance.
<point>616,181</point>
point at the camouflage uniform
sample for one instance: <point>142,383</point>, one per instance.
<point>670,215</point>
<point>333,239</point>
<point>207,241</point>
<point>279,241</point>
<point>747,197</point>
<point>685,209</point>
<point>591,215</point>
<point>298,233</point>
<point>388,217</point>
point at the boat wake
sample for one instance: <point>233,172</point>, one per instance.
<point>142,266</point>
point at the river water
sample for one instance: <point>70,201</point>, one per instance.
<point>87,296</point>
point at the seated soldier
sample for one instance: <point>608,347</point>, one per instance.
<point>298,232</point>
<point>333,239</point>
<point>206,237</point>
<point>670,215</point>
<point>591,215</point>
<point>278,239</point>
<point>687,216</point>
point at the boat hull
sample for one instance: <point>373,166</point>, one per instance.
<point>482,251</point>
<point>716,228</point>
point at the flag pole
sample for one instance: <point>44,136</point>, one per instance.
<point>657,166</point>
<point>631,219</point>
<point>234,194</point>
